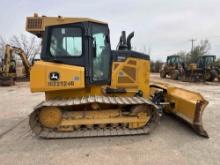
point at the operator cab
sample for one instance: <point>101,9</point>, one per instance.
<point>174,60</point>
<point>85,44</point>
<point>205,61</point>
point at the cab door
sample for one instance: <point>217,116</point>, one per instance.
<point>100,55</point>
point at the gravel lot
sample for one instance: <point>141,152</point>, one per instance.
<point>173,142</point>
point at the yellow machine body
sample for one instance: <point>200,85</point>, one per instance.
<point>72,83</point>
<point>127,104</point>
<point>192,66</point>
<point>72,77</point>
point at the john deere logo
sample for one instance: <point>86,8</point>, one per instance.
<point>54,76</point>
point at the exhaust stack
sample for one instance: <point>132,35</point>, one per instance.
<point>125,43</point>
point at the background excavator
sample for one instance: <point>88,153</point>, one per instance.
<point>91,90</point>
<point>9,70</point>
<point>178,69</point>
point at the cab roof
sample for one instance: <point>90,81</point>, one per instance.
<point>173,56</point>
<point>37,24</point>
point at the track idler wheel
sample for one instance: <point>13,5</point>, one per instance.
<point>142,111</point>
<point>50,117</point>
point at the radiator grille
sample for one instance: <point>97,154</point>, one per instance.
<point>34,23</point>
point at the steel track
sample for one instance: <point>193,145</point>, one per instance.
<point>43,132</point>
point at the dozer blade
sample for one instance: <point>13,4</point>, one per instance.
<point>186,104</point>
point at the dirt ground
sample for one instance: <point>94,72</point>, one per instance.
<point>173,142</point>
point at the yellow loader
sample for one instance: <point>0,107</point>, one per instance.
<point>91,90</point>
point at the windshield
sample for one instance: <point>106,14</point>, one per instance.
<point>174,60</point>
<point>66,42</point>
<point>209,60</point>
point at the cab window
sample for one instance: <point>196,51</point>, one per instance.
<point>66,42</point>
<point>101,58</point>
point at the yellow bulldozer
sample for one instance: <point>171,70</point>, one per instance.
<point>9,71</point>
<point>91,90</point>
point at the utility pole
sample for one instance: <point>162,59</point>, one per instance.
<point>192,40</point>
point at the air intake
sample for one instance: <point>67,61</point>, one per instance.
<point>34,23</point>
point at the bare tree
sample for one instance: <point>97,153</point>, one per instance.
<point>184,56</point>
<point>2,44</point>
<point>30,45</point>
<point>200,50</point>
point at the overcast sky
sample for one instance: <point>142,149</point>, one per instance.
<point>162,27</point>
